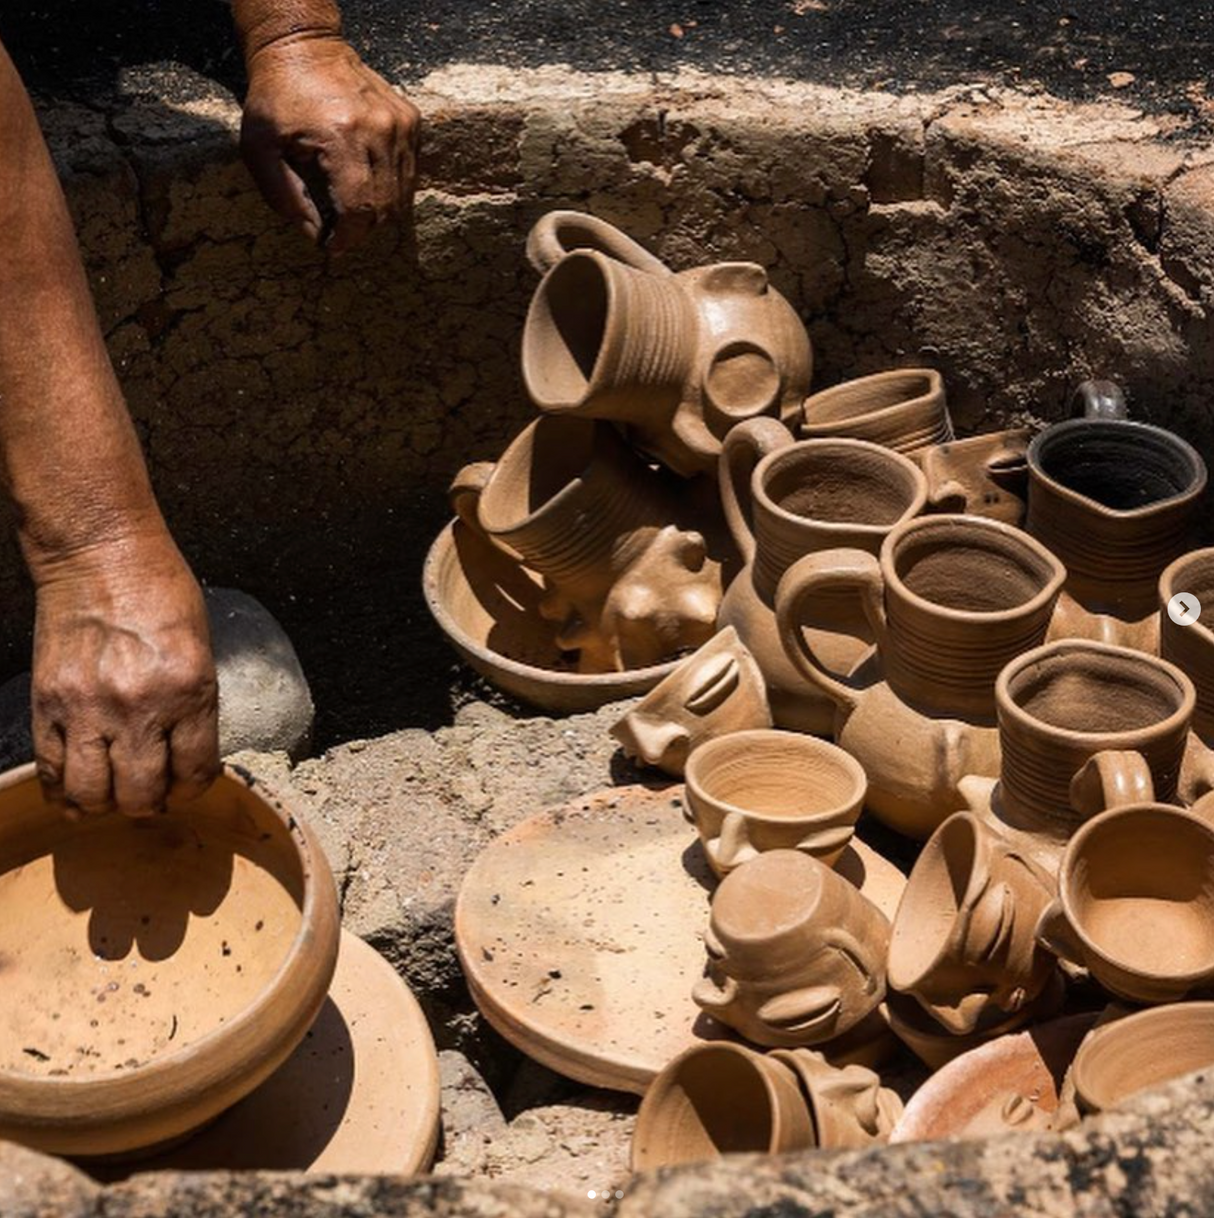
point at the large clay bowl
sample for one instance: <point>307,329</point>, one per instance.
<point>156,970</point>
<point>488,606</point>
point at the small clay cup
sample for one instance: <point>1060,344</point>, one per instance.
<point>717,1099</point>
<point>1087,726</point>
<point>796,955</point>
<point>713,692</point>
<point>984,475</point>
<point>904,409</point>
<point>769,790</point>
<point>849,1107</point>
<point>1143,1050</point>
<point>964,938</point>
<point>1135,903</point>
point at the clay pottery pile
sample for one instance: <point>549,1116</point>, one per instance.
<point>156,970</point>
<point>717,690</point>
<point>984,475</point>
<point>784,500</point>
<point>769,790</point>
<point>677,360</point>
<point>1135,903</point>
<point>904,409</point>
<point>1116,501</point>
<point>950,601</point>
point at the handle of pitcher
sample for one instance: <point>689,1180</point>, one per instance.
<point>1100,399</point>
<point>560,232</point>
<point>1111,778</point>
<point>1056,934</point>
<point>464,493</point>
<point>742,449</point>
<point>854,571</point>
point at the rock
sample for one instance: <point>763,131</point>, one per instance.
<point>33,1185</point>
<point>16,743</point>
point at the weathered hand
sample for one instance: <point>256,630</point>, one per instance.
<point>331,144</point>
<point>124,691</point>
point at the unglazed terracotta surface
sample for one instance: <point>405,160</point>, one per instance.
<point>964,938</point>
<point>950,601</point>
<point>850,1108</point>
<point>904,409</point>
<point>784,500</point>
<point>715,691</point>
<point>677,359</point>
<point>983,475</point>
<point>156,970</point>
<point>359,1095</point>
<point>770,790</point>
<point>1136,903</point>
<point>796,955</point>
<point>1011,1084</point>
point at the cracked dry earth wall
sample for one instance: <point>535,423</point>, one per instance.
<point>294,411</point>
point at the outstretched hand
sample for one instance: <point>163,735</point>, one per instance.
<point>332,146</point>
<point>124,691</point>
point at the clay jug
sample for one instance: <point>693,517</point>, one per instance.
<point>950,600</point>
<point>678,359</point>
<point>625,585</point>
<point>904,409</point>
<point>784,500</point>
<point>1117,501</point>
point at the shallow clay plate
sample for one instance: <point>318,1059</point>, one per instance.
<point>360,1095</point>
<point>581,933</point>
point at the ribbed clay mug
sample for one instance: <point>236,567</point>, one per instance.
<point>715,691</point>
<point>626,586</point>
<point>949,601</point>
<point>784,500</point>
<point>1135,903</point>
<point>796,955</point>
<point>904,409</point>
<point>964,940</point>
<point>1117,501</point>
<point>612,333</point>
<point>749,792</point>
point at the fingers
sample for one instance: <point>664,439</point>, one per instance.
<point>194,755</point>
<point>87,781</point>
<point>281,186</point>
<point>140,768</point>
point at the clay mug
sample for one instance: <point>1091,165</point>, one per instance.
<point>1084,727</point>
<point>904,409</point>
<point>949,601</point>
<point>678,360</point>
<point>768,790</point>
<point>1189,644</point>
<point>849,1107</point>
<point>1117,501</point>
<point>784,500</point>
<point>716,1099</point>
<point>626,586</point>
<point>713,692</point>
<point>1135,903</point>
<point>796,955</point>
<point>964,938</point>
<point>983,475</point>
<point>1142,1050</point>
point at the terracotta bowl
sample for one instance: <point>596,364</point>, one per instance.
<point>488,606</point>
<point>156,970</point>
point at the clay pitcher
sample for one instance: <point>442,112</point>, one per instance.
<point>1189,644</point>
<point>1117,501</point>
<point>678,360</point>
<point>950,600</point>
<point>784,500</point>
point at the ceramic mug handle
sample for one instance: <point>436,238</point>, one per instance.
<point>854,571</point>
<point>1111,779</point>
<point>560,232</point>
<point>1056,934</point>
<point>744,447</point>
<point>464,493</point>
<point>1100,399</point>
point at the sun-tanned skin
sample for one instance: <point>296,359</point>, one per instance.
<point>124,691</point>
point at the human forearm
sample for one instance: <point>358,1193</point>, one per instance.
<point>263,23</point>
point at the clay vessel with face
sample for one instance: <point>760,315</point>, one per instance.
<point>964,938</point>
<point>850,1108</point>
<point>717,690</point>
<point>796,956</point>
<point>983,475</point>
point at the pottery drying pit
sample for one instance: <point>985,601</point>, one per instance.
<point>1092,226</point>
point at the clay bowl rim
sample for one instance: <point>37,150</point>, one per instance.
<point>1130,1024</point>
<point>1095,825</point>
<point>1147,510</point>
<point>1135,739</point>
<point>1167,588</point>
<point>613,685</point>
<point>882,413</point>
<point>118,1098</point>
<point>844,527</point>
<point>759,735</point>
<point>954,520</point>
